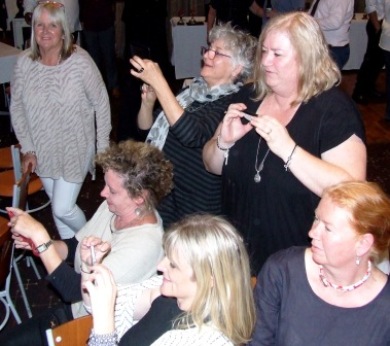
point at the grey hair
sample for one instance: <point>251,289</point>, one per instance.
<point>241,44</point>
<point>57,14</point>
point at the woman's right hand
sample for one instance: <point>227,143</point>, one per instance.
<point>101,288</point>
<point>232,128</point>
<point>27,159</point>
<point>101,249</point>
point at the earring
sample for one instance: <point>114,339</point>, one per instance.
<point>138,212</point>
<point>357,260</point>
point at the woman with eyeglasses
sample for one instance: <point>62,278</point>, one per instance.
<point>60,112</point>
<point>187,121</point>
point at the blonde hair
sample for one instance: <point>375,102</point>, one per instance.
<point>369,207</point>
<point>317,70</point>
<point>57,15</point>
<point>220,263</point>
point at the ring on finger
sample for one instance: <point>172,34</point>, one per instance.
<point>141,70</point>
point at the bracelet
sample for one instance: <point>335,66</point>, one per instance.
<point>225,150</point>
<point>84,271</point>
<point>288,162</point>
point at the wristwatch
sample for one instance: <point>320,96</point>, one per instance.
<point>43,247</point>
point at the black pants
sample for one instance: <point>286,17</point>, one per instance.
<point>33,331</point>
<point>372,63</point>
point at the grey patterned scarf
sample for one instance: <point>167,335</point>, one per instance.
<point>197,91</point>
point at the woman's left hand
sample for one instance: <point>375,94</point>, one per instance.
<point>146,70</point>
<point>275,134</point>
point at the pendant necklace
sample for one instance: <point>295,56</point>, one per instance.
<point>258,169</point>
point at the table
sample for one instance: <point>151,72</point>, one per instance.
<point>358,42</point>
<point>187,41</point>
<point>8,55</point>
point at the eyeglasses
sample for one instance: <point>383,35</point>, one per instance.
<point>53,3</point>
<point>212,53</point>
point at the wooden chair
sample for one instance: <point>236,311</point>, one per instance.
<point>72,333</point>
<point>6,255</point>
<point>9,178</point>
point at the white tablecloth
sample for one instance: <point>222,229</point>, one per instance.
<point>187,41</point>
<point>358,42</point>
<point>8,55</point>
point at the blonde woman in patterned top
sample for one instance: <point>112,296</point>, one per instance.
<point>60,112</point>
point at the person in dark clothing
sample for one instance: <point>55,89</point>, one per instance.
<point>98,38</point>
<point>145,31</point>
<point>373,60</point>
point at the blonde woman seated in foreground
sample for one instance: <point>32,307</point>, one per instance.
<point>206,269</point>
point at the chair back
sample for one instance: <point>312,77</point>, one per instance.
<point>19,198</point>
<point>75,332</point>
<point>15,152</point>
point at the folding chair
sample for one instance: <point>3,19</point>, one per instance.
<point>19,200</point>
<point>6,255</point>
<point>72,333</point>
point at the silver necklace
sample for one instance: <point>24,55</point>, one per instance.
<point>258,169</point>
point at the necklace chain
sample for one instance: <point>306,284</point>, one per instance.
<point>258,169</point>
<point>348,288</point>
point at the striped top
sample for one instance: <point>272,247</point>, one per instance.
<point>195,189</point>
<point>62,113</point>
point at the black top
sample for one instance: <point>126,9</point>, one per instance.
<point>278,212</point>
<point>158,320</point>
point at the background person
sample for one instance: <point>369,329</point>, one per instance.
<point>384,43</point>
<point>206,269</point>
<point>373,60</point>
<point>334,18</point>
<point>275,168</point>
<point>187,121</point>
<point>137,176</point>
<point>330,293</point>
<point>58,96</point>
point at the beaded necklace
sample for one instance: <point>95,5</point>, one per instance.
<point>348,288</point>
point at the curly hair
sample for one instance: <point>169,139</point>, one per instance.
<point>142,166</point>
<point>241,45</point>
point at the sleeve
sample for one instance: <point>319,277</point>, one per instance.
<point>341,120</point>
<point>267,296</point>
<point>71,243</point>
<point>98,96</point>
<point>67,283</point>
<point>195,131</point>
<point>17,110</point>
